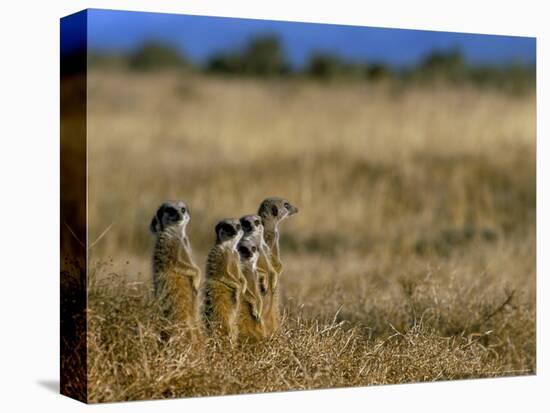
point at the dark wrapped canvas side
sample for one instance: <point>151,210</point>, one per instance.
<point>73,60</point>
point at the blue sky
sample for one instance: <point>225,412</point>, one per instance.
<point>199,37</point>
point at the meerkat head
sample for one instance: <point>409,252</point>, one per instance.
<point>252,226</point>
<point>229,231</point>
<point>171,215</point>
<point>248,252</point>
<point>274,210</point>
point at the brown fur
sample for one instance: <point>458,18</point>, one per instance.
<point>224,286</point>
<point>251,323</point>
<point>273,211</point>
<point>176,278</point>
<point>267,282</point>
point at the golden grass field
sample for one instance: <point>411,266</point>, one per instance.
<point>412,257</point>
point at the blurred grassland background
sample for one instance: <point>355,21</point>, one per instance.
<point>412,257</point>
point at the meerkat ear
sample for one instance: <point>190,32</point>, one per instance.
<point>217,229</point>
<point>274,210</point>
<point>221,231</point>
<point>154,225</point>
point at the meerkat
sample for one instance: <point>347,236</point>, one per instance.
<point>176,277</point>
<point>224,281</point>
<point>272,211</point>
<point>254,230</point>
<point>250,322</point>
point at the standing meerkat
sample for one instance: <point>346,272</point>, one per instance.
<point>224,281</point>
<point>273,211</point>
<point>250,322</point>
<point>254,230</point>
<point>176,277</point>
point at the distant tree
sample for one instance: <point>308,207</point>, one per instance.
<point>515,77</point>
<point>379,71</point>
<point>264,56</point>
<point>521,77</point>
<point>329,66</point>
<point>324,66</point>
<point>226,63</point>
<point>155,55</point>
<point>442,65</point>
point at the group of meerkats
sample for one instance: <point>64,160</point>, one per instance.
<point>239,295</point>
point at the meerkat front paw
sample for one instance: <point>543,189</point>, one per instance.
<point>263,285</point>
<point>196,283</point>
<point>274,281</point>
<point>244,286</point>
<point>256,313</point>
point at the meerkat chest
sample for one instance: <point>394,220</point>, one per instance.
<point>233,260</point>
<point>170,250</point>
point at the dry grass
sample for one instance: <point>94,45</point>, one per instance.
<point>412,257</point>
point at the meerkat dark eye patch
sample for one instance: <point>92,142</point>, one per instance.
<point>225,229</point>
<point>274,210</point>
<point>171,211</point>
<point>229,230</point>
<point>247,226</point>
<point>244,252</point>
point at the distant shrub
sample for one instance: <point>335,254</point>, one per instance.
<point>379,71</point>
<point>263,56</point>
<point>442,65</point>
<point>515,78</point>
<point>451,67</point>
<point>330,66</point>
<point>229,63</point>
<point>155,55</point>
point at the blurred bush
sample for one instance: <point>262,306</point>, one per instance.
<point>442,65</point>
<point>264,56</point>
<point>330,66</point>
<point>451,67</point>
<point>226,63</point>
<point>515,77</point>
<point>156,55</point>
<point>379,71</point>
